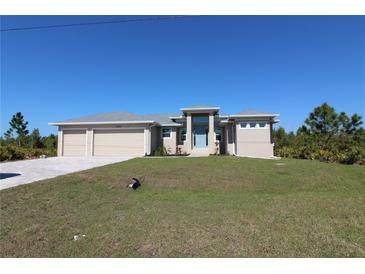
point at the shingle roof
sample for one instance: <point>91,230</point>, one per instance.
<point>162,119</point>
<point>253,112</point>
<point>122,117</point>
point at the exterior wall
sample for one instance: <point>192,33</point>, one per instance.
<point>89,142</point>
<point>89,135</point>
<point>156,139</point>
<point>211,141</point>
<point>59,142</point>
<point>254,142</point>
<point>183,145</point>
<point>222,143</point>
<point>229,140</point>
<point>147,141</point>
<point>188,144</point>
<point>170,143</point>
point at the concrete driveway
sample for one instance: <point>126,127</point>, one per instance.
<point>27,171</point>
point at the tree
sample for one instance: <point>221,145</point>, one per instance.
<point>323,124</point>
<point>280,137</point>
<point>35,139</point>
<point>49,142</point>
<point>9,135</point>
<point>18,125</point>
<point>323,120</point>
<point>349,125</point>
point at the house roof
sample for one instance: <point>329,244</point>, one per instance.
<point>253,113</point>
<point>120,117</point>
<point>163,119</point>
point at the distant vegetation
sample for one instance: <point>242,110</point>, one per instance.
<point>325,136</point>
<point>18,144</point>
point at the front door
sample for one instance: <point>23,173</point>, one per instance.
<point>200,136</point>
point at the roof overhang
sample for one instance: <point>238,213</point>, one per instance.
<point>100,123</point>
<point>170,125</point>
<point>176,117</point>
<point>253,115</point>
<point>200,109</point>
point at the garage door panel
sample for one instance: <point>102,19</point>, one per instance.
<point>118,142</point>
<point>74,142</point>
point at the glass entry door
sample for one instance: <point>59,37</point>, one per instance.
<point>200,136</point>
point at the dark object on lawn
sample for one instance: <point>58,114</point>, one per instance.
<point>134,184</point>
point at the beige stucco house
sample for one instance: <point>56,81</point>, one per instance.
<point>198,130</point>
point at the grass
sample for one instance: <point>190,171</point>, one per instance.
<point>190,207</point>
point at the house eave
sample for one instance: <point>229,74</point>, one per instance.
<point>253,115</point>
<point>100,123</point>
<point>170,125</point>
<point>200,109</point>
<point>176,117</point>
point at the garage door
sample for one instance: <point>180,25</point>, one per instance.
<point>74,143</point>
<point>117,142</point>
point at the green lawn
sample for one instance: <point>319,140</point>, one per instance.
<point>190,207</point>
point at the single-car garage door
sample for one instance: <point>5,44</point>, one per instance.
<point>118,142</point>
<point>74,143</point>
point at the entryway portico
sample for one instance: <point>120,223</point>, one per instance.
<point>200,129</point>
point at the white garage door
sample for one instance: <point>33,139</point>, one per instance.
<point>74,143</point>
<point>118,142</point>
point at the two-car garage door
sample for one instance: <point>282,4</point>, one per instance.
<point>105,142</point>
<point>118,142</point>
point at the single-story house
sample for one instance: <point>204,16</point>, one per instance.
<point>198,130</point>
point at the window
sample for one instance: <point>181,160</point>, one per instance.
<point>262,124</point>
<point>218,134</point>
<point>252,125</point>
<point>200,119</point>
<point>182,134</point>
<point>166,132</point>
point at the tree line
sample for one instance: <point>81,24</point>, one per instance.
<point>18,144</point>
<point>326,136</point>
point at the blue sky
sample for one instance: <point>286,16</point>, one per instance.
<point>281,64</point>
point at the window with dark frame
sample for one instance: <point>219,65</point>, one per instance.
<point>218,134</point>
<point>183,134</point>
<point>166,132</point>
<point>252,124</point>
<point>262,124</point>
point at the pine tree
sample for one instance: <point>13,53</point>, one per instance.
<point>18,125</point>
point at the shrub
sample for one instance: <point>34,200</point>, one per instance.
<point>12,153</point>
<point>351,156</point>
<point>160,151</point>
<point>326,155</point>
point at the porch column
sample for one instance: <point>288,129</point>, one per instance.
<point>188,133</point>
<point>211,144</point>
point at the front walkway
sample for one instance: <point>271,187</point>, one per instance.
<point>27,171</point>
